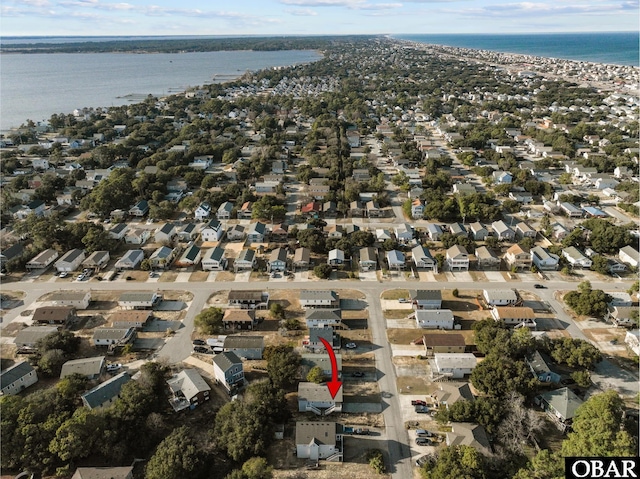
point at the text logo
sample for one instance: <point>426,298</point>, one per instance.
<point>601,467</point>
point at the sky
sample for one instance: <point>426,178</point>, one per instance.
<point>306,17</point>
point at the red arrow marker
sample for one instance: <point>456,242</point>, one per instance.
<point>334,385</point>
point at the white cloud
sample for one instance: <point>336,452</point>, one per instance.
<point>545,9</point>
<point>301,12</point>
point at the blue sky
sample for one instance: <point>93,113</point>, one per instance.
<point>299,17</point>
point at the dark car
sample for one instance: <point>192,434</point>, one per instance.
<point>423,441</point>
<point>202,350</point>
<point>418,402</point>
<point>199,342</point>
<point>422,409</point>
<point>423,433</point>
<point>539,286</point>
<point>358,374</point>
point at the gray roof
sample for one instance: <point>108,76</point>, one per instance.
<point>315,431</point>
<point>317,392</point>
<point>105,391</point>
<point>226,360</point>
<point>321,360</point>
<point>96,257</point>
<point>137,296</point>
<point>244,342</point>
<point>539,363</point>
<point>32,334</point>
<point>119,228</point>
<point>71,256</point>
<point>84,366</point>
<point>368,255</point>
<point>122,472</point>
<point>450,393</point>
<point>191,253</point>
<point>162,252</point>
<point>189,382</point>
<point>395,257</point>
<point>564,401</point>
<point>323,314</point>
<point>15,372</point>
<point>69,295</point>
<point>426,295</point>
<point>466,433</point>
<point>134,256</point>
<point>45,256</point>
<point>420,252</point>
<point>307,294</point>
<point>278,254</point>
<point>316,333</point>
<point>110,333</point>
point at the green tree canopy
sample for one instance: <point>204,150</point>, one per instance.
<point>456,462</point>
<point>209,320</point>
<point>176,456</point>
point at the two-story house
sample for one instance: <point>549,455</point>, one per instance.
<point>228,371</point>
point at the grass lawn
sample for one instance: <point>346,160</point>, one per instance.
<point>395,294</point>
<point>396,313</point>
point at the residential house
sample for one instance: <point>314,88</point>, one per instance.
<point>374,210</point>
<point>318,440</point>
<point>75,299</point>
<point>245,347</point>
<point>335,257</point>
<point>249,299</point>
<point>96,260</point>
<point>43,260</point>
<point>162,257</point>
<point>228,371</point>
<point>319,299</point>
<point>317,398</point>
<point>190,257</point>
<point>452,365</point>
<point>502,231</point>
<point>214,260</point>
<point>570,210</point>
<point>357,209</point>
<point>632,340</point>
<point>426,298</point>
<point>478,232</point>
<point>140,209</point>
<point>404,233</point>
<point>188,389</point>
<point>246,211</point>
<point>137,236</point>
<point>395,259</point>
<point>464,189</point>
<point>368,259</point>
<point>314,341</point>
<point>457,258</point>
<point>323,361</point>
<point>130,260</point>
<point>417,209</point>
<point>540,366</point>
<point>518,257</point>
<point>625,316</point>
<point>256,232</point>
<point>29,336</point>
<point>224,211</point>
<point>630,256</point>
<point>239,319</point>
<point>246,260</point>
<point>543,259</point>
<point>317,189</point>
<point>330,209</point>
<point>203,211</point>
<point>502,177</point>
<point>35,207</point>
<point>487,260</point>
<point>422,258</point>
<point>105,393</point>
<point>280,233</point>
<point>434,318</point>
<point>559,231</point>
<point>70,261</point>
<point>443,343</point>
<point>311,209</point>
<point>212,231</point>
<point>501,297</point>
<point>619,298</point>
<point>317,318</point>
<point>139,299</point>
<point>10,253</point>
<point>91,368</point>
<point>523,230</point>
<point>450,393</point>
<point>334,231</point>
<point>521,197</point>
<point>188,232</point>
<point>125,472</point>
<point>382,235</point>
<point>576,258</point>
<point>18,377</point>
<point>560,405</point>
<point>54,315</point>
<point>130,319</point>
<point>277,260</point>
<point>236,233</point>
<point>469,434</point>
<point>301,258</point>
<point>517,317</point>
<point>113,336</point>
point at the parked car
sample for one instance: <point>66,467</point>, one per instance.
<point>421,409</point>
<point>362,431</point>
<point>404,300</point>
<point>81,277</point>
<point>422,460</point>
<point>199,342</point>
<point>423,441</point>
<point>351,345</point>
<point>64,274</point>
<point>358,374</point>
<point>423,433</point>
<point>202,350</point>
<point>112,368</point>
<point>418,402</point>
<point>539,286</point>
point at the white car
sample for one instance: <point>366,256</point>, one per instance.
<point>113,367</point>
<point>351,345</point>
<point>64,274</point>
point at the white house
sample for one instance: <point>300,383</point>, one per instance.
<point>166,233</point>
<point>452,365</point>
<point>515,316</point>
<point>434,231</point>
<point>162,257</point>
<point>70,261</point>
<point>318,440</point>
<point>106,336</point>
<point>426,298</point>
<point>632,339</point>
<point>138,299</point>
<point>434,318</point>
<point>224,211</point>
<point>191,256</point>
<point>630,256</point>
<point>213,231</point>
<point>500,297</point>
<point>576,258</point>
<point>319,299</point>
<point>543,259</point>
<point>335,257</point>
<point>16,378</point>
<point>404,233</point>
<point>77,299</point>
<point>130,260</point>
<point>96,260</point>
<point>203,211</point>
<point>43,260</point>
<point>502,231</point>
<point>422,258</point>
<point>137,236</point>
<point>214,260</point>
<point>246,260</point>
<point>118,231</point>
<point>316,398</point>
<point>256,232</point>
<point>457,258</point>
<point>395,259</point>
<point>318,318</point>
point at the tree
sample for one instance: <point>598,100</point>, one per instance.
<point>323,271</point>
<point>176,456</point>
<point>65,341</point>
<point>276,310</point>
<point>597,429</point>
<point>316,375</point>
<point>209,321</point>
<point>51,361</point>
<point>497,377</point>
<point>575,353</point>
<point>257,468</point>
<point>455,462</point>
<point>240,431</point>
<point>600,264</point>
<point>582,378</point>
<point>519,426</point>
<point>544,465</point>
<point>376,460</point>
<point>587,301</point>
<point>282,367</point>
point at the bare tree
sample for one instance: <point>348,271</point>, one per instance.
<point>520,424</point>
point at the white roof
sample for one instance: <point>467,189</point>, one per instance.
<point>455,360</point>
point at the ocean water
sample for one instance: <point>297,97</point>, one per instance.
<point>618,48</point>
<point>35,86</point>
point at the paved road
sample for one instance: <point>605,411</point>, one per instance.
<point>397,439</point>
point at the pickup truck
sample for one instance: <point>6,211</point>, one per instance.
<point>359,431</point>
